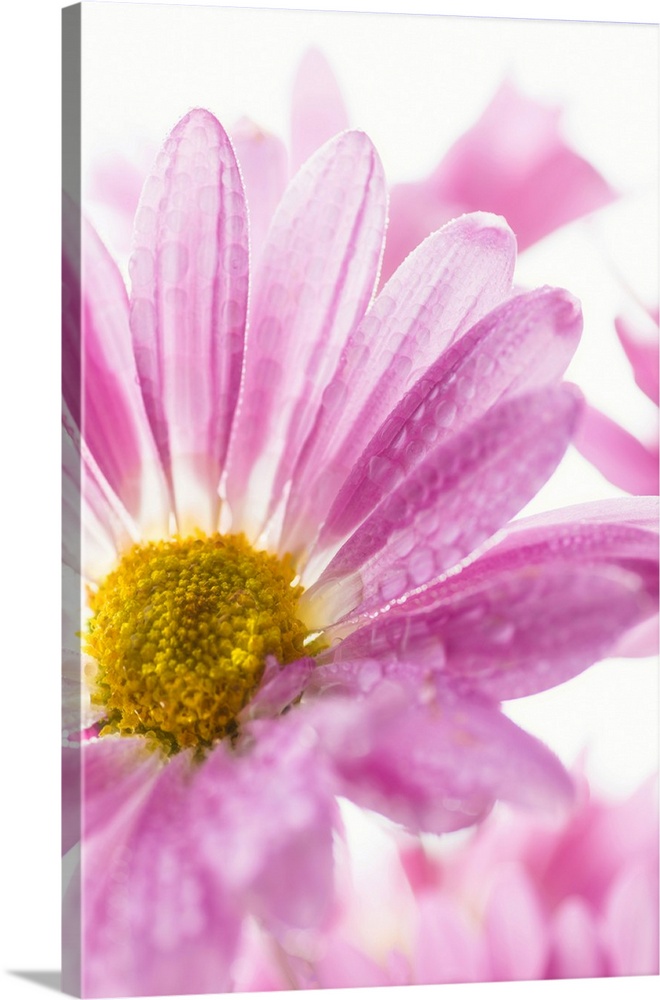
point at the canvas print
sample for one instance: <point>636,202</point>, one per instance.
<point>360,501</point>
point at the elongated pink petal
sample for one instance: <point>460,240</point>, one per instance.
<point>450,503</point>
<point>621,458</point>
<point>449,283</point>
<point>436,764</point>
<point>264,168</point>
<point>603,520</point>
<point>448,949</point>
<point>516,928</point>
<point>520,630</point>
<point>189,273</point>
<point>575,949</point>
<point>99,375</point>
<point>524,343</point>
<point>643,352</point>
<point>316,278</point>
<point>630,928</point>
<point>317,110</point>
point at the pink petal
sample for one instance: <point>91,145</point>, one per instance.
<point>118,775</point>
<point>642,640</point>
<point>96,527</point>
<point>264,168</point>
<point>434,765</point>
<point>513,162</point>
<point>515,928</point>
<point>317,111</point>
<point>280,686</point>
<point>643,352</point>
<point>523,343</point>
<point>343,966</point>
<point>448,949</point>
<point>585,857</point>
<point>156,919</point>
<point>603,521</point>
<point>189,275</point>
<point>522,628</point>
<point>620,457</point>
<point>451,502</point>
<point>450,282</point>
<point>99,376</point>
<point>576,952</point>
<point>630,926</point>
<point>316,278</point>
<point>271,810</point>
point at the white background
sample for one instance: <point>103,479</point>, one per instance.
<point>413,84</point>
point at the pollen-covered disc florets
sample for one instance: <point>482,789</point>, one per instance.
<point>181,630</point>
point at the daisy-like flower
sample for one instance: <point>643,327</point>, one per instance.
<point>301,578</point>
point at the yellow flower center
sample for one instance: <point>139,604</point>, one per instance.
<point>181,630</point>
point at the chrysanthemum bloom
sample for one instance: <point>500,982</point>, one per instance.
<point>524,897</point>
<point>301,582</point>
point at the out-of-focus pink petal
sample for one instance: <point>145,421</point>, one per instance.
<point>451,502</point>
<point>584,857</point>
<point>343,966</point>
<point>630,928</point>
<point>513,162</point>
<point>317,110</point>
<point>518,630</point>
<point>98,372</point>
<point>448,949</point>
<point>316,279</point>
<point>643,352</point>
<point>515,927</point>
<point>264,168</point>
<point>271,810</point>
<point>642,640</point>
<point>434,765</point>
<point>447,285</point>
<point>118,775</point>
<point>575,949</point>
<point>189,273</point>
<point>621,458</point>
<point>524,343</point>
<point>259,965</point>
<point>156,917</point>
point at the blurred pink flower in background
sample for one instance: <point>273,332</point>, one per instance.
<point>385,444</point>
<point>521,898</point>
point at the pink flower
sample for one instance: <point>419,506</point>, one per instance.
<point>523,898</point>
<point>238,437</point>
